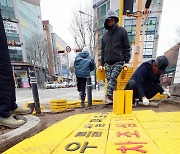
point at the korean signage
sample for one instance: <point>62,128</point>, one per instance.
<point>10,27</point>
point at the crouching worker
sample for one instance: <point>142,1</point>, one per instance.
<point>83,65</point>
<point>145,81</point>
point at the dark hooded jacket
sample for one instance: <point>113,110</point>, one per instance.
<point>83,64</point>
<point>144,77</point>
<point>115,42</point>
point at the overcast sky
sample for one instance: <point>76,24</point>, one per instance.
<point>170,21</point>
<point>59,12</point>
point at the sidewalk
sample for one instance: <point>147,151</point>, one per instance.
<point>106,133</point>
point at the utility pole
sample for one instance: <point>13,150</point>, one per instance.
<point>138,16</point>
<point>121,8</point>
<point>137,38</point>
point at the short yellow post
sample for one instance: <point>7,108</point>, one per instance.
<point>118,102</point>
<point>128,101</point>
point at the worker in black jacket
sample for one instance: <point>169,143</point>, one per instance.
<point>115,51</point>
<point>145,81</point>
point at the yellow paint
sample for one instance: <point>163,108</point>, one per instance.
<point>169,146</point>
<point>118,102</point>
<point>123,134</point>
<point>128,101</point>
<point>153,136</point>
<point>115,147</point>
<point>99,148</point>
<point>94,134</point>
<point>58,101</point>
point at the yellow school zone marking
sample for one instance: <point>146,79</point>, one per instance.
<point>107,133</point>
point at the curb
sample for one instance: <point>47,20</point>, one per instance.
<point>32,126</point>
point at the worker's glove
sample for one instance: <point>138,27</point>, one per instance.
<point>145,101</point>
<point>100,68</point>
<point>127,65</point>
<point>166,94</point>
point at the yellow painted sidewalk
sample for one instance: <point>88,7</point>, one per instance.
<point>107,133</point>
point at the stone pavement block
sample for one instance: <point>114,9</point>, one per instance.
<point>50,138</point>
<point>95,126</point>
<point>143,112</point>
<point>164,133</point>
<point>170,116</point>
<point>156,125</point>
<point>125,135</point>
<point>169,146</point>
<point>97,134</point>
<point>76,146</point>
<point>94,134</point>
<point>153,118</point>
<point>125,119</point>
<point>128,101</point>
<point>132,147</point>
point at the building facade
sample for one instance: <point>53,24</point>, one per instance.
<point>48,31</point>
<point>60,58</point>
<point>22,21</point>
<point>152,23</point>
<point>173,57</point>
<point>177,73</point>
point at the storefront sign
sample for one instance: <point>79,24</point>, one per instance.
<point>10,27</point>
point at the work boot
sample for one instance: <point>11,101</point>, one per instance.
<point>11,122</point>
<point>21,111</point>
<point>108,100</point>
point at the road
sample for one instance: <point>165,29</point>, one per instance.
<point>45,95</point>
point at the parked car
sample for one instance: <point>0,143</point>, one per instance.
<point>64,85</point>
<point>52,85</point>
<point>72,84</point>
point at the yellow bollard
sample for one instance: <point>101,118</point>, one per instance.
<point>118,102</point>
<point>128,101</point>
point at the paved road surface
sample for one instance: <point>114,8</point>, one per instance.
<point>45,95</point>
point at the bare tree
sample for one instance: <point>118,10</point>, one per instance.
<point>38,54</point>
<point>83,28</point>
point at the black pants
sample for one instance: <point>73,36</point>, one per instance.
<point>81,87</point>
<point>149,91</point>
<point>7,85</point>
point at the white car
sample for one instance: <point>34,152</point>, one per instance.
<point>52,85</point>
<point>72,84</point>
<point>64,85</point>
